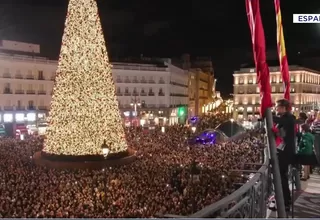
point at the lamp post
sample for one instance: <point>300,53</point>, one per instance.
<point>232,120</point>
<point>105,152</point>
<point>135,103</point>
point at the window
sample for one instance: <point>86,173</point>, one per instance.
<point>118,90</point>
<point>250,81</point>
<point>257,90</point>
<point>241,81</point>
<point>40,75</point>
<point>273,89</point>
<point>6,70</point>
<point>143,103</point>
<point>30,87</point>
<point>281,89</point>
<point>291,78</point>
<point>30,103</point>
<point>126,90</point>
<point>7,86</point>
<point>160,90</point>
<point>41,87</point>
<point>19,103</point>
<point>134,90</point>
<point>292,90</point>
<point>273,79</point>
<point>135,79</point>
<point>150,90</point>
<point>142,90</point>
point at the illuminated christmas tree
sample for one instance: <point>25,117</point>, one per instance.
<point>84,108</point>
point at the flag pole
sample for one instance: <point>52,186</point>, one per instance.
<point>263,75</point>
<point>276,177</point>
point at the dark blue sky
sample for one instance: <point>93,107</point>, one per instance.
<point>165,28</point>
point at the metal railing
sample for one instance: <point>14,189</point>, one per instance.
<point>249,201</point>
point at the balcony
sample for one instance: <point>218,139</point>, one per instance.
<point>29,77</point>
<point>161,94</point>
<point>18,76</point>
<point>41,78</point>
<point>7,91</point>
<point>31,92</point>
<point>6,75</point>
<point>135,81</point>
<point>151,106</point>
<point>162,106</point>
<point>119,80</point>
<point>127,94</point>
<point>31,107</point>
<point>42,92</point>
<point>8,108</point>
<point>119,94</point>
<point>162,82</point>
<point>19,91</point>
<point>20,108</point>
<point>143,81</point>
<point>151,94</point>
<point>143,94</point>
<point>151,81</point>
<point>127,81</point>
<point>43,108</point>
<point>135,93</point>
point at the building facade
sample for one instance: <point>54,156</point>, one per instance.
<point>201,83</point>
<point>304,91</point>
<point>26,88</point>
<point>151,93</point>
<point>147,93</point>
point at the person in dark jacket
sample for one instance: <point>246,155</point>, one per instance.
<point>286,124</point>
<point>305,147</point>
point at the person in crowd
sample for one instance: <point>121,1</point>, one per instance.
<point>285,121</point>
<point>158,182</point>
<point>306,147</point>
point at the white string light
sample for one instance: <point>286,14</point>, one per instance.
<point>84,108</point>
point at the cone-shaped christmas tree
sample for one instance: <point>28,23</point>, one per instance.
<point>84,109</point>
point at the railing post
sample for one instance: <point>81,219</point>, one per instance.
<point>275,166</point>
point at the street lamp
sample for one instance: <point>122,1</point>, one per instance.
<point>105,152</point>
<point>193,129</point>
<point>135,103</point>
<point>232,120</point>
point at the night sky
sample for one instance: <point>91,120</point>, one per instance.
<point>166,29</point>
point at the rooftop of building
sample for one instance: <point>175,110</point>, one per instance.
<point>274,67</point>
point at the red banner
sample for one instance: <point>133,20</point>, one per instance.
<point>282,52</point>
<point>259,53</point>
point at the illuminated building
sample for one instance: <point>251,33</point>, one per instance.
<point>26,83</point>
<point>201,83</point>
<point>305,90</point>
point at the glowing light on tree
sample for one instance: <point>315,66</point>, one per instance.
<point>84,108</point>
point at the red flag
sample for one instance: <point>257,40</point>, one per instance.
<point>259,53</point>
<point>282,51</point>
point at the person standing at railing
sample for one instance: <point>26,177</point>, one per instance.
<point>285,121</point>
<point>305,147</point>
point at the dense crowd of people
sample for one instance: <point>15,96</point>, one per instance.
<point>159,182</point>
<point>211,121</point>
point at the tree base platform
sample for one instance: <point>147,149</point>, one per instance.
<point>83,162</point>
